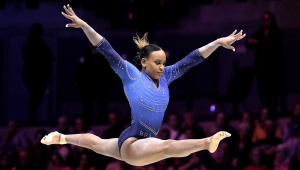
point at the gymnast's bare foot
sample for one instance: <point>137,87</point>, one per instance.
<point>51,138</point>
<point>215,140</point>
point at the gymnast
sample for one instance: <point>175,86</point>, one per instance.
<point>148,95</point>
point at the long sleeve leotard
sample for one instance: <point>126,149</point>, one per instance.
<point>147,101</point>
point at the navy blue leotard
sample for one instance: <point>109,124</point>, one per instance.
<point>147,101</point>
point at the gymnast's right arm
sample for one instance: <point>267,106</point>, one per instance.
<point>128,72</point>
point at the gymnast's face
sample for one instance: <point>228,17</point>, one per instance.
<point>154,64</point>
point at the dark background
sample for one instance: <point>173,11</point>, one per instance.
<point>180,27</point>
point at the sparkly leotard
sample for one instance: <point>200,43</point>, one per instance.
<point>147,101</point>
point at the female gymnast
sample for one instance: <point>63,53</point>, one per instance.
<point>148,96</point>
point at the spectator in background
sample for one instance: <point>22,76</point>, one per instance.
<point>161,165</point>
<point>189,133</point>
<point>220,157</point>
<point>293,126</point>
<point>37,68</point>
<point>260,127</point>
<point>85,163</point>
<point>224,156</point>
<point>293,147</point>
<point>222,124</point>
<point>63,125</point>
<point>63,150</point>
<point>269,144</point>
<point>193,160</point>
<point>173,125</point>
<point>268,60</point>
<point>115,125</point>
<point>244,146</point>
<point>5,162</point>
<point>113,131</point>
<point>24,162</point>
<point>163,134</point>
<point>282,158</point>
<point>40,153</point>
<point>57,163</point>
<point>81,126</point>
<point>75,156</point>
<point>247,119</point>
<point>190,122</point>
<point>15,139</point>
<point>117,165</point>
<point>256,159</point>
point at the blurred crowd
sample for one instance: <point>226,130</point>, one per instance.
<point>261,143</point>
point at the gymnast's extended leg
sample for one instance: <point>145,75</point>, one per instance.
<point>141,152</point>
<point>107,147</point>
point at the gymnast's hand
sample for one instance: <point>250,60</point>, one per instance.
<point>70,14</point>
<point>227,41</point>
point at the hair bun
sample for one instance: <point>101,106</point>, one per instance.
<point>141,42</point>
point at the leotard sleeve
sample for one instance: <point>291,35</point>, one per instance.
<point>128,72</point>
<point>176,70</point>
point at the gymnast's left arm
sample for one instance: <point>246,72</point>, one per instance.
<point>128,72</point>
<point>197,56</point>
<point>226,42</point>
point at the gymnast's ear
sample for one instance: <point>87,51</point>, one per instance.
<point>143,62</point>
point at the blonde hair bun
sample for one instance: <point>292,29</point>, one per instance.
<point>141,42</point>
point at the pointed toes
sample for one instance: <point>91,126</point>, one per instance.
<point>228,134</point>
<point>223,134</point>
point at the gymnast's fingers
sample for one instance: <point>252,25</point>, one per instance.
<point>67,16</point>
<point>70,9</point>
<point>232,48</point>
<point>228,46</point>
<point>71,25</point>
<point>239,34</point>
<point>233,33</point>
<point>241,37</point>
<point>67,10</point>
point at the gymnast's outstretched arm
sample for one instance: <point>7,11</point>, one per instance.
<point>197,56</point>
<point>226,42</point>
<point>92,35</point>
<point>128,72</point>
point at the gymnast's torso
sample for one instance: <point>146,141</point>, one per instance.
<point>147,101</point>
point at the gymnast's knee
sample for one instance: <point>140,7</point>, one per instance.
<point>167,147</point>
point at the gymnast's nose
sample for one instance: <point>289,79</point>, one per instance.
<point>161,68</point>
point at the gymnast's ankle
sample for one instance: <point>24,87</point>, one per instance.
<point>62,139</point>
